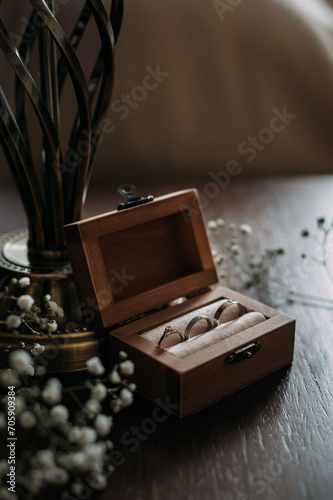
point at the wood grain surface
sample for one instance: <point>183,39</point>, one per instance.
<point>273,439</point>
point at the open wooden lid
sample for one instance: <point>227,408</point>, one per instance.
<point>140,258</point>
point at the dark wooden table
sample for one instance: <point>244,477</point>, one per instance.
<point>271,440</point>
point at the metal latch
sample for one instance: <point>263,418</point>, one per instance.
<point>245,352</point>
<point>129,192</point>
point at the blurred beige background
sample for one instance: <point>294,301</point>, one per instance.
<point>199,85</point>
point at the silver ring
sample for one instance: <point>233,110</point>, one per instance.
<point>169,330</point>
<point>223,306</point>
<point>212,323</point>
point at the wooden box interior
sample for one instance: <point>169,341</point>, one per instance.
<point>141,258</point>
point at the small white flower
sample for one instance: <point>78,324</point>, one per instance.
<point>29,370</point>
<point>98,481</point>
<point>19,405</point>
<point>88,436</point>
<point>116,405</point>
<point>51,393</point>
<point>37,349</point>
<point>59,414</point>
<point>27,419</point>
<point>127,368</point>
<point>24,282</point>
<point>52,326</point>
<point>47,297</point>
<point>220,222</point>
<point>92,408</point>
<point>115,377</point>
<point>132,387</point>
<point>232,226</point>
<point>13,281</point>
<point>103,425</point>
<point>13,321</point>
<point>25,302</point>
<point>122,355</point>
<point>77,488</point>
<point>95,455</point>
<point>212,224</point>
<point>245,229</point>
<point>53,309</point>
<point>45,458</point>
<point>19,360</point>
<point>7,378</point>
<point>99,392</point>
<point>94,366</point>
<point>56,476</point>
<point>235,249</point>
<point>126,397</point>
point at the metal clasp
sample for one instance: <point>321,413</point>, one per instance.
<point>129,192</point>
<point>245,352</point>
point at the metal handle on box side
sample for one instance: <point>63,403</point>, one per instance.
<point>242,353</point>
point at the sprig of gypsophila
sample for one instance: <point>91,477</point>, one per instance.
<point>68,445</point>
<point>23,314</point>
<point>237,267</point>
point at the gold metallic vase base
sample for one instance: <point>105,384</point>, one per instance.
<point>74,343</point>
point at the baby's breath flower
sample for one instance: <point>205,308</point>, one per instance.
<point>8,377</point>
<point>24,282</point>
<point>13,281</point>
<point>220,222</point>
<point>59,414</point>
<point>27,419</point>
<point>45,458</point>
<point>132,387</point>
<point>56,475</point>
<point>25,302</point>
<point>126,397</point>
<point>13,321</point>
<point>82,435</point>
<point>52,326</point>
<point>122,355</point>
<point>51,393</point>
<point>19,360</point>
<point>116,405</point>
<point>245,229</point>
<point>37,349</point>
<point>99,392</point>
<point>103,425</point>
<point>98,481</point>
<point>92,408</point>
<point>235,249</point>
<point>127,368</point>
<point>53,309</point>
<point>94,366</point>
<point>115,377</point>
<point>47,297</point>
<point>77,488</point>
<point>212,224</point>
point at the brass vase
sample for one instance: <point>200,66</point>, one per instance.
<point>56,199</point>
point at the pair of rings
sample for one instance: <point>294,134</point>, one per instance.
<point>211,323</point>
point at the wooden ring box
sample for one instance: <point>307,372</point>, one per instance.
<point>136,261</point>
